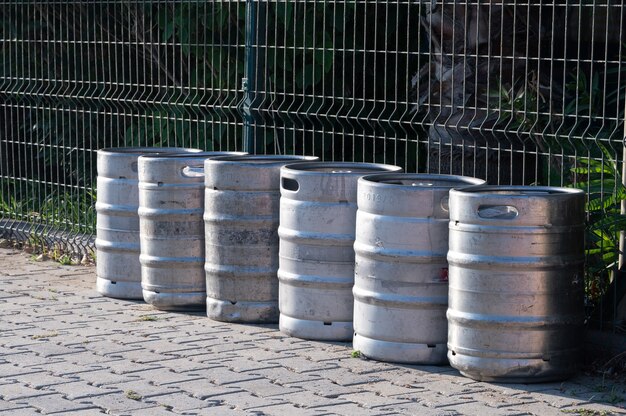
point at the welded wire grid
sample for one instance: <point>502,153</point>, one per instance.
<point>77,76</point>
<point>514,92</point>
<point>510,91</point>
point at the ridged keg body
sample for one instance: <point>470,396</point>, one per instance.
<point>516,276</point>
<point>317,226</point>
<point>401,272</point>
<point>118,269</point>
<point>241,222</point>
<point>171,206</point>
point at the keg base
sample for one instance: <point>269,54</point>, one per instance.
<point>242,311</point>
<point>401,352</point>
<point>165,301</point>
<point>515,370</point>
<point>119,290</point>
<point>316,330</point>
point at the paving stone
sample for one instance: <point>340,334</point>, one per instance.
<point>351,408</point>
<point>182,365</point>
<point>7,407</point>
<point>413,409</point>
<point>325,388</point>
<point>222,410</point>
<point>531,409</point>
<point>285,410</point>
<point>248,402</point>
<point>362,366</point>
<point>147,389</point>
<point>265,388</point>
<point>300,365</point>
<point>100,378</point>
<point>344,377</point>
<point>55,403</point>
<point>370,399</point>
<point>18,391</point>
<point>162,376</point>
<point>181,402</point>
<point>453,389</point>
<point>8,370</point>
<point>118,403</point>
<point>41,380</point>
<point>22,411</point>
<point>388,389</point>
<point>122,366</point>
<point>107,347</point>
<point>598,408</point>
<point>223,376</point>
<point>308,399</point>
<point>498,400</point>
<point>155,411</point>
<point>85,412</point>
<point>265,354</point>
<point>88,358</point>
<point>50,349</point>
<point>284,376</point>
<point>247,365</point>
<point>65,368</point>
<point>440,400</point>
<point>557,399</point>
<point>202,389</point>
<point>78,390</point>
<point>318,354</point>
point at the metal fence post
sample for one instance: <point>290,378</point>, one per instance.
<point>253,67</point>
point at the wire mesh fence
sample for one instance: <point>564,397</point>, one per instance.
<point>510,91</point>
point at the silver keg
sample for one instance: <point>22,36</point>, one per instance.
<point>401,273</point>
<point>317,226</point>
<point>171,205</point>
<point>118,271</point>
<point>516,276</point>
<point>241,222</point>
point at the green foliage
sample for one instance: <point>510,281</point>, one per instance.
<point>602,181</point>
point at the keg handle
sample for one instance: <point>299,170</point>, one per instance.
<point>289,184</point>
<point>192,171</point>
<point>498,212</point>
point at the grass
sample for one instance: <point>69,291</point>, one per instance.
<point>355,354</point>
<point>586,412</point>
<point>149,318</point>
<point>133,395</point>
<point>45,335</point>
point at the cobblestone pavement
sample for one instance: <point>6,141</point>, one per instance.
<point>64,349</point>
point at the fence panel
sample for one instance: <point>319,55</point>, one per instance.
<point>512,92</point>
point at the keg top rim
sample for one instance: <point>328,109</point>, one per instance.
<point>347,168</point>
<point>424,180</point>
<point>260,159</point>
<point>512,191</point>
<point>149,150</point>
<point>197,155</point>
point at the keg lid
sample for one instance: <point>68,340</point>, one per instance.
<point>260,159</point>
<point>148,150</point>
<point>341,168</point>
<point>190,155</point>
<point>422,180</point>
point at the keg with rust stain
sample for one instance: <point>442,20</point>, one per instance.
<point>401,273</point>
<point>516,278</point>
<point>317,226</point>
<point>171,205</point>
<point>241,223</point>
<point>118,269</point>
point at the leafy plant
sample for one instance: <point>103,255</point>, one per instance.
<point>602,181</point>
